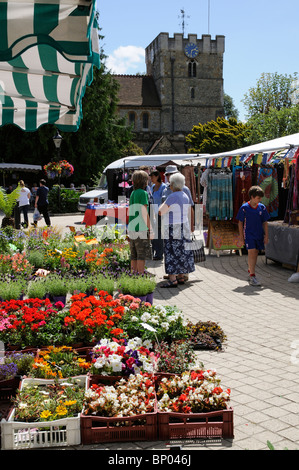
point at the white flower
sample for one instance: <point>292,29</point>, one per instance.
<point>145,316</point>
<point>165,325</point>
<point>134,318</point>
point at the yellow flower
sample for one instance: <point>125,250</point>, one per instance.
<point>70,402</point>
<point>45,414</point>
<point>61,410</point>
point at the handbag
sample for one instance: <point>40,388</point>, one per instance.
<point>197,247</point>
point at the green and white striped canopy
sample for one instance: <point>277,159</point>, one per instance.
<point>47,52</point>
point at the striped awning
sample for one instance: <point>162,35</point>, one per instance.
<point>47,52</point>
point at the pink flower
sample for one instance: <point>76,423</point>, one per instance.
<point>134,306</point>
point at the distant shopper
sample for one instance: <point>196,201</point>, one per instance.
<point>41,201</point>
<point>139,227</point>
<point>175,211</point>
<point>33,194</point>
<point>253,229</point>
<point>24,203</point>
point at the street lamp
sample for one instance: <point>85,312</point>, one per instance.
<point>57,139</point>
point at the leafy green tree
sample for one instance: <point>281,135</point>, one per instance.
<point>217,136</point>
<point>272,90</point>
<point>229,108</point>
<point>276,123</point>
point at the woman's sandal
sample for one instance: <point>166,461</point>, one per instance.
<point>181,279</point>
<point>170,284</point>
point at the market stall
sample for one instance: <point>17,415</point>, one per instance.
<point>117,213</point>
<point>273,165</point>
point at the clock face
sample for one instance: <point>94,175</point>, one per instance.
<point>191,50</point>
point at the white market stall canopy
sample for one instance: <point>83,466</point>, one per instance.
<point>47,52</point>
<point>266,151</point>
<point>20,167</point>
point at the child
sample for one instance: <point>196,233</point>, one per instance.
<point>139,227</point>
<point>253,228</point>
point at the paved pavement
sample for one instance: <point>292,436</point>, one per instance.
<point>259,363</point>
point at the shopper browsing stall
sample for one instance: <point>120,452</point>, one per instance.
<point>139,227</point>
<point>176,215</point>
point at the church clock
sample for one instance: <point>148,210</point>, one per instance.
<point>191,50</point>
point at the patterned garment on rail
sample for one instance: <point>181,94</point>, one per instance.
<point>177,259</point>
<point>268,181</point>
<point>242,184</point>
<point>220,195</point>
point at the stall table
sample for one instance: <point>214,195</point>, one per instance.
<point>118,212</point>
<point>283,246</point>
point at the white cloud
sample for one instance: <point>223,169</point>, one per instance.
<point>126,60</point>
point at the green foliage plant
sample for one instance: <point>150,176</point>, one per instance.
<point>8,201</point>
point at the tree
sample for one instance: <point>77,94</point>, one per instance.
<point>229,108</point>
<point>217,136</point>
<point>274,124</point>
<point>272,90</point>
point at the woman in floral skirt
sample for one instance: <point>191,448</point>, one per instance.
<point>176,213</point>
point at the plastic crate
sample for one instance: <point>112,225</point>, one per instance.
<point>214,424</point>
<point>23,435</point>
<point>98,429</point>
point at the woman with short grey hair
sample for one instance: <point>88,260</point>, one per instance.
<point>176,215</point>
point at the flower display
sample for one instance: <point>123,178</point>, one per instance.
<point>127,397</point>
<point>192,392</point>
<point>61,168</point>
<point>22,321</point>
<point>48,402</point>
<point>16,263</point>
<point>122,357</point>
<point>60,362</point>
<point>94,317</point>
<point>154,322</point>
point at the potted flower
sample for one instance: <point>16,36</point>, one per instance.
<point>37,289</point>
<point>140,286</point>
<point>59,169</point>
<point>12,289</point>
<point>162,323</point>
<point>122,357</point>
<point>57,288</point>
<point>58,362</point>
<point>7,204</point>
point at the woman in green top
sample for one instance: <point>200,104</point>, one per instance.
<point>139,227</point>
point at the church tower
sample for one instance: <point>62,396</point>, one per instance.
<point>188,73</point>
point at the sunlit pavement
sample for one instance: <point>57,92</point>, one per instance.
<point>259,362</point>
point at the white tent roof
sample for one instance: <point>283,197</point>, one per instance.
<point>151,160</point>
<point>274,145</point>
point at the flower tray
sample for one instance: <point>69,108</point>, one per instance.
<point>214,424</point>
<point>26,435</point>
<point>98,429</point>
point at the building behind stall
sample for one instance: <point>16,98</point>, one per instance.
<point>183,86</point>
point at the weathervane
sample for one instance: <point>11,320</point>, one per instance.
<point>182,24</point>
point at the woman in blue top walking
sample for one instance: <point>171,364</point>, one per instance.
<point>253,228</point>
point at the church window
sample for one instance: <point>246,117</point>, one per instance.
<point>132,118</point>
<point>145,119</point>
<point>192,93</point>
<point>192,69</point>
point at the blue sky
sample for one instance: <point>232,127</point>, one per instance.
<point>260,35</point>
